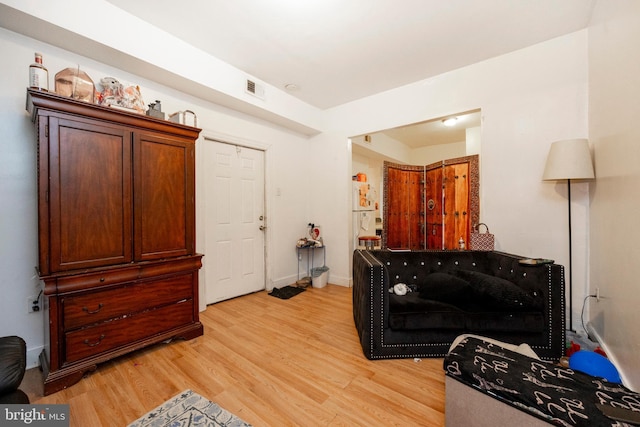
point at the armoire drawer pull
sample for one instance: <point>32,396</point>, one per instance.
<point>86,342</point>
<point>85,309</point>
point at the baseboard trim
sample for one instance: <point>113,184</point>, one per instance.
<point>290,280</point>
<point>33,356</point>
<point>610,355</point>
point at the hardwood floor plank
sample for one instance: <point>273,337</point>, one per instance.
<point>84,411</point>
<point>272,362</point>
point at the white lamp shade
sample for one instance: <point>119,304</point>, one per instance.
<point>569,159</point>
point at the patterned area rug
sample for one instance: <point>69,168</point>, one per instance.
<point>188,409</point>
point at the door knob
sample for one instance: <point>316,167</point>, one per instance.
<point>263,227</point>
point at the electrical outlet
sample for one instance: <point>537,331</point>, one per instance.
<point>33,304</point>
<point>597,294</point>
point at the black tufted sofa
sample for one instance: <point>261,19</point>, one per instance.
<point>455,292</point>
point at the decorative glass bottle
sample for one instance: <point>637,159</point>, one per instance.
<point>75,83</point>
<point>38,75</point>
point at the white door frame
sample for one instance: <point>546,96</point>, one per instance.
<point>201,223</point>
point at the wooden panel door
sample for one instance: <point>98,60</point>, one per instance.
<point>456,204</point>
<point>89,195</point>
<point>433,190</point>
<point>404,207</point>
<point>449,239</point>
<point>397,208</point>
<point>417,225</point>
<point>462,202</point>
<point>164,188</point>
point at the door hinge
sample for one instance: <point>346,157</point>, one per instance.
<point>46,131</point>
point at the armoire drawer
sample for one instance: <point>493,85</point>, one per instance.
<point>108,336</point>
<point>93,307</point>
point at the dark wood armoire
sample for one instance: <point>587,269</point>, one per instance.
<point>430,207</point>
<point>116,226</point>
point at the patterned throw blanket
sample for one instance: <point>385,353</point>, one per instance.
<point>550,392</point>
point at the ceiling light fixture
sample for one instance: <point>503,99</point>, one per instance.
<point>451,121</point>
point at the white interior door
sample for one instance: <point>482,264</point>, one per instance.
<point>234,241</point>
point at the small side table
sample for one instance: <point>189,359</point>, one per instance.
<point>310,253</point>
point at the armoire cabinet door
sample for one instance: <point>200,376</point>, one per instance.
<point>164,207</point>
<point>89,196</point>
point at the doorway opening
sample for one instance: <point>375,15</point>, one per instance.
<point>426,143</point>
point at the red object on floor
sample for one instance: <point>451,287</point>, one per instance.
<point>572,349</point>
<point>600,351</point>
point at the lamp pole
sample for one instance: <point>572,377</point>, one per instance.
<point>569,159</point>
<point>570,261</point>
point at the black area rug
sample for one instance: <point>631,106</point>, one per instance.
<point>286,292</point>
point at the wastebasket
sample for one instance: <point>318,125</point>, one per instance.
<point>319,276</point>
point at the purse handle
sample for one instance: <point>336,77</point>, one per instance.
<point>477,226</point>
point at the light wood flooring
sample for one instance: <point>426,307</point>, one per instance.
<point>272,362</point>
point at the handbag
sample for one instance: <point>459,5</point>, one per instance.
<point>481,241</point>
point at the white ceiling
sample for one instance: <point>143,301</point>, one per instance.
<point>336,51</point>
<point>433,132</point>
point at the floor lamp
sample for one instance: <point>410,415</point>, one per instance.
<point>569,159</point>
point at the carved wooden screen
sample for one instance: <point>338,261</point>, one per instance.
<point>430,207</point>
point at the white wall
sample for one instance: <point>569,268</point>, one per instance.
<point>18,209</point>
<point>473,140</point>
<point>385,146</point>
<point>287,193</point>
<point>435,153</point>
<point>614,107</point>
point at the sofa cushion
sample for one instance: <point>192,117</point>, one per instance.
<point>413,312</point>
<point>495,293</point>
<point>503,321</point>
<point>445,287</point>
<point>410,311</point>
